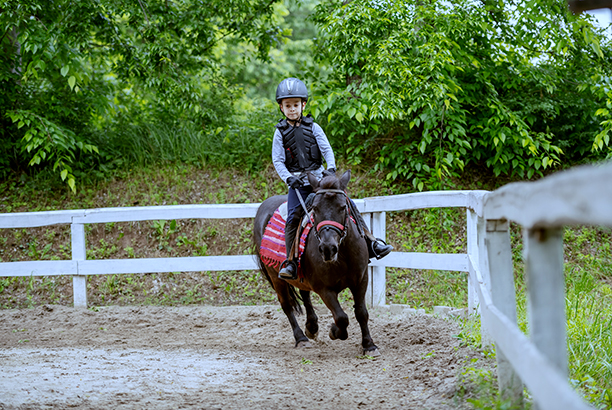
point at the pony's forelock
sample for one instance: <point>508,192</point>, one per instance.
<point>329,182</point>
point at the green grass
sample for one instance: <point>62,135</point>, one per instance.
<point>435,230</point>
<point>589,314</point>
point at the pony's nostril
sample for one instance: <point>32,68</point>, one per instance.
<point>326,252</point>
<point>334,249</point>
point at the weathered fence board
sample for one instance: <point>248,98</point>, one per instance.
<point>419,260</point>
<point>168,212</point>
<point>158,265</point>
<point>39,268</point>
<point>425,200</point>
<point>581,196</point>
<point>37,219</point>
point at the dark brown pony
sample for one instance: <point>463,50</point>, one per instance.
<point>335,258</point>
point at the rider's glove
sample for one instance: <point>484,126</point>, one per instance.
<point>328,172</point>
<point>294,182</point>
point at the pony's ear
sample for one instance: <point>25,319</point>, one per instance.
<point>314,182</point>
<point>344,179</point>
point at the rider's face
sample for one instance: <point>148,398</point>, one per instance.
<point>292,108</point>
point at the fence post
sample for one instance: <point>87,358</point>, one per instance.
<point>546,294</point>
<point>79,253</point>
<point>379,279</point>
<point>503,296</point>
<point>472,250</point>
<point>375,295</point>
<point>483,265</point>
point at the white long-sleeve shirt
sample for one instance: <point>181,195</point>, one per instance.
<point>278,154</point>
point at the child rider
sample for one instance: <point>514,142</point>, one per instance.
<point>298,147</point>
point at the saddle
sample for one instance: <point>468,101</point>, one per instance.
<point>272,249</point>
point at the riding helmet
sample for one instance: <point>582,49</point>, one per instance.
<point>291,88</point>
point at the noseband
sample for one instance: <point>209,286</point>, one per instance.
<point>333,225</point>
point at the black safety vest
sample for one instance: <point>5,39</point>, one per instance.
<point>302,152</point>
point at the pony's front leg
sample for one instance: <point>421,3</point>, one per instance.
<point>362,316</point>
<point>338,329</point>
<point>312,321</point>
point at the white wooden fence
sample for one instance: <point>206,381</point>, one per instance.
<point>373,209</point>
<point>580,196</point>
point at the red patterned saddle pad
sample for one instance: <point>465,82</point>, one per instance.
<point>272,249</point>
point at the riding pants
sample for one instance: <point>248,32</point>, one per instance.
<point>294,214</point>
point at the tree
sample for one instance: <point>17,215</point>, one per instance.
<point>426,87</point>
<point>70,69</point>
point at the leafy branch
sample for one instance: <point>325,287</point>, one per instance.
<point>46,141</point>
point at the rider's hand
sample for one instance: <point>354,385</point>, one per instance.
<point>294,182</point>
<point>328,172</point>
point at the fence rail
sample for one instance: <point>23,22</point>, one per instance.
<point>576,197</point>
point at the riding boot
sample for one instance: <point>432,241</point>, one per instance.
<point>289,266</point>
<point>377,248</point>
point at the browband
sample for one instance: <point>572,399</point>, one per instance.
<point>336,191</point>
<point>330,223</point>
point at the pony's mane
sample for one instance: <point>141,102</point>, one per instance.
<point>329,182</point>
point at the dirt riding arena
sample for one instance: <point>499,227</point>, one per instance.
<point>205,357</point>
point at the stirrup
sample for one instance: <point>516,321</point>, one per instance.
<point>385,252</point>
<point>283,272</point>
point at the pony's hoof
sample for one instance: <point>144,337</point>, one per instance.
<point>303,344</point>
<point>310,335</point>
<point>331,333</point>
<point>373,353</point>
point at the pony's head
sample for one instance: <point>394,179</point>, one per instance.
<point>330,207</point>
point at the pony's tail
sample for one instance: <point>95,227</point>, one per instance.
<point>263,270</point>
<point>294,296</point>
<point>294,300</point>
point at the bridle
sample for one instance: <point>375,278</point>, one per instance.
<point>327,224</point>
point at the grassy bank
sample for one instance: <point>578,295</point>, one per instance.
<point>588,257</point>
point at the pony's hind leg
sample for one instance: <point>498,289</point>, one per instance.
<point>312,321</point>
<point>288,300</point>
<point>338,329</point>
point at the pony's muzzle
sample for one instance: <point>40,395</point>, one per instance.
<point>329,252</point>
<point>330,235</point>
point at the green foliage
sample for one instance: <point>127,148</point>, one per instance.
<point>424,88</point>
<point>291,57</point>
<point>589,314</point>
<point>46,141</point>
<point>435,231</point>
<point>242,142</point>
<point>87,68</point>
<point>602,140</point>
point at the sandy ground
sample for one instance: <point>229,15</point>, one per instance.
<point>208,357</point>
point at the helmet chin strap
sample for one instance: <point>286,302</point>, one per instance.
<point>296,122</point>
